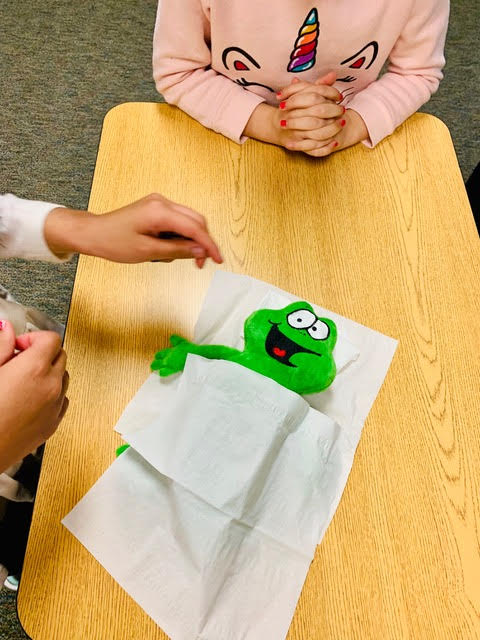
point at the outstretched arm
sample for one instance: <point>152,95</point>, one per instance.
<point>152,228</point>
<point>172,359</point>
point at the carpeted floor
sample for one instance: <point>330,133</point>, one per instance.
<point>64,65</point>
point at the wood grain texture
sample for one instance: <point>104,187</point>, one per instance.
<point>384,237</point>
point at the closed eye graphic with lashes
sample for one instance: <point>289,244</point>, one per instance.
<point>241,61</point>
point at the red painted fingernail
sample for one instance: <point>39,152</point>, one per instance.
<point>279,94</point>
<point>343,123</point>
<point>282,105</point>
<point>341,97</point>
<point>343,109</point>
<point>335,144</point>
<point>283,123</point>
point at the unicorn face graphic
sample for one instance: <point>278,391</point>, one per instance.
<point>302,57</point>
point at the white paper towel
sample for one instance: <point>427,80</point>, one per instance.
<point>249,447</point>
<point>212,522</point>
<point>199,574</point>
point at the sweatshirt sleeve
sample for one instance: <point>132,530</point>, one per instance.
<point>21,229</point>
<point>183,74</point>
<point>413,74</point>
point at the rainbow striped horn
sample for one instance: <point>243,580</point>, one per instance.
<point>305,49</point>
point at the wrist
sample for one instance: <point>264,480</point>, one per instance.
<point>262,124</point>
<point>356,129</point>
<point>69,231</point>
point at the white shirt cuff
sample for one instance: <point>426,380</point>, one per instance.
<point>22,229</point>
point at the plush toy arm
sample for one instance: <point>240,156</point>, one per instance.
<point>217,352</point>
<point>172,359</point>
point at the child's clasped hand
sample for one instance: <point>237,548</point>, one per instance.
<point>310,116</point>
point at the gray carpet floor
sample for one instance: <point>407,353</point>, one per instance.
<point>63,65</point>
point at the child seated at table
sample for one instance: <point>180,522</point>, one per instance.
<point>33,376</point>
<point>297,74</point>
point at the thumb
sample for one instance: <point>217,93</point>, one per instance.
<point>7,341</point>
<point>44,346</point>
<point>329,78</point>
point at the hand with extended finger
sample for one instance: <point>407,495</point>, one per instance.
<point>153,228</point>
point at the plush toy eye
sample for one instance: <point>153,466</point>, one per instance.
<point>319,331</point>
<point>301,319</point>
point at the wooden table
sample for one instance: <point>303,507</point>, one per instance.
<point>385,237</point>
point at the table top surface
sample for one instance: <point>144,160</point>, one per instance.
<point>384,237</point>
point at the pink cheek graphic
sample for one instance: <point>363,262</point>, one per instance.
<point>358,64</point>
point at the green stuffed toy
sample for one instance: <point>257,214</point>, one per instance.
<point>291,345</point>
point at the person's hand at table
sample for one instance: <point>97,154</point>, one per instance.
<point>308,118</point>
<point>319,124</point>
<point>133,233</point>
<point>33,385</point>
<point>349,131</point>
<point>353,132</point>
<point>310,115</point>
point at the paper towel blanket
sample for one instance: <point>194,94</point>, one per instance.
<point>250,448</point>
<point>219,547</point>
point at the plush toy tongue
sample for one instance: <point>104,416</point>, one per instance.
<point>279,352</point>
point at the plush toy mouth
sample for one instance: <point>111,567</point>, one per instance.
<point>281,348</point>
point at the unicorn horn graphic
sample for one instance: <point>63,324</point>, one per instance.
<point>305,49</point>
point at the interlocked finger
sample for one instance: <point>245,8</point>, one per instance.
<point>308,145</point>
<point>321,152</point>
<point>323,108</point>
<point>321,91</point>
<point>315,128</point>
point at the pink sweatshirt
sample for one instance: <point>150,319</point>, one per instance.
<point>218,59</point>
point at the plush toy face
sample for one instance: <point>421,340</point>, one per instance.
<point>292,343</point>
